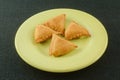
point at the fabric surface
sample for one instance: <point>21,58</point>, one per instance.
<point>14,12</point>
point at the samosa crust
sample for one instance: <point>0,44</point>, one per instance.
<point>42,33</point>
<point>57,23</point>
<point>74,30</point>
<point>60,46</point>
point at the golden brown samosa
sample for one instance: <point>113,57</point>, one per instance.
<point>42,33</point>
<point>57,23</point>
<point>74,30</point>
<point>60,46</point>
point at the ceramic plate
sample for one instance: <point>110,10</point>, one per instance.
<point>37,55</point>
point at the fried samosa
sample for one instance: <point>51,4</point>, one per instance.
<point>60,46</point>
<point>57,23</point>
<point>42,33</point>
<point>74,30</point>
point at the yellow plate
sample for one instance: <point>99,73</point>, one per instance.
<point>37,55</point>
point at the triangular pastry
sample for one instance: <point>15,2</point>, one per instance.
<point>43,33</point>
<point>75,30</point>
<point>60,46</point>
<point>57,23</point>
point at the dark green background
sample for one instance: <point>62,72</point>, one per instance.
<point>14,12</point>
